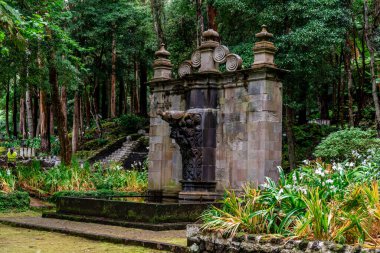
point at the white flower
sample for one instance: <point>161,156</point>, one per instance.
<point>351,164</point>
<point>307,162</point>
<point>329,181</point>
<point>333,188</point>
<point>8,172</point>
<point>319,171</point>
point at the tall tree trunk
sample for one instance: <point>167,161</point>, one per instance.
<point>22,118</point>
<point>65,151</point>
<point>143,89</point>
<point>88,113</point>
<point>113,77</point>
<point>347,69</point>
<point>121,95</point>
<point>211,14</point>
<point>76,116</point>
<point>200,22</point>
<point>368,34</point>
<point>51,118</point>
<point>29,113</point>
<point>157,7</point>
<point>135,88</point>
<point>7,111</point>
<point>81,112</point>
<point>44,123</point>
<point>14,113</point>
<point>64,103</point>
<point>35,113</point>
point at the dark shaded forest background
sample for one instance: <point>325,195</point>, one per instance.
<point>66,66</point>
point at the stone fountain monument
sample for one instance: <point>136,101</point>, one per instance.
<point>211,130</point>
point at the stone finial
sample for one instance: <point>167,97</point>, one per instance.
<point>210,34</point>
<point>209,43</point>
<point>162,65</point>
<point>264,49</point>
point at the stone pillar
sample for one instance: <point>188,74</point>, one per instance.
<point>264,50</point>
<point>264,112</point>
<point>162,65</point>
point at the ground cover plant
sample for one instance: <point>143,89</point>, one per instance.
<point>321,201</point>
<point>76,177</point>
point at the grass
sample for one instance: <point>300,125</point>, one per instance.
<point>15,240</point>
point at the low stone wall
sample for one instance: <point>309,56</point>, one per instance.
<point>208,242</point>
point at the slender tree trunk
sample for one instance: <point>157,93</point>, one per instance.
<point>121,95</point>
<point>44,123</point>
<point>368,34</point>
<point>81,125</point>
<point>143,89</point>
<point>14,113</point>
<point>29,113</point>
<point>76,116</point>
<point>7,111</point>
<point>135,88</point>
<point>88,113</point>
<point>157,7</point>
<point>113,77</point>
<point>200,22</point>
<point>51,118</point>
<point>58,111</point>
<point>64,103</point>
<point>22,118</point>
<point>35,113</point>
<point>347,68</point>
<point>211,14</point>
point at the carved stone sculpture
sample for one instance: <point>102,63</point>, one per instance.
<point>185,129</point>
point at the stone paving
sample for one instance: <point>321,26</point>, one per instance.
<point>174,240</point>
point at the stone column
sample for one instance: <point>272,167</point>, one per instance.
<point>264,112</point>
<point>159,141</point>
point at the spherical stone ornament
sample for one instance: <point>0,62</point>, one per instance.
<point>220,54</point>
<point>185,68</point>
<point>234,62</point>
<point>196,59</point>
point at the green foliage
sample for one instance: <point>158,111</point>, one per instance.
<point>77,177</point>
<point>342,144</point>
<point>131,123</point>
<point>307,137</point>
<point>17,200</point>
<point>320,201</point>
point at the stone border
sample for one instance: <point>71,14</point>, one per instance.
<point>100,237</point>
<point>104,221</point>
<point>211,242</point>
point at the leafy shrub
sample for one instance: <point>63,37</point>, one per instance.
<point>14,201</point>
<point>318,201</point>
<point>340,145</point>
<point>131,123</point>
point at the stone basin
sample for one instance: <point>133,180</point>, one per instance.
<point>139,212</point>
